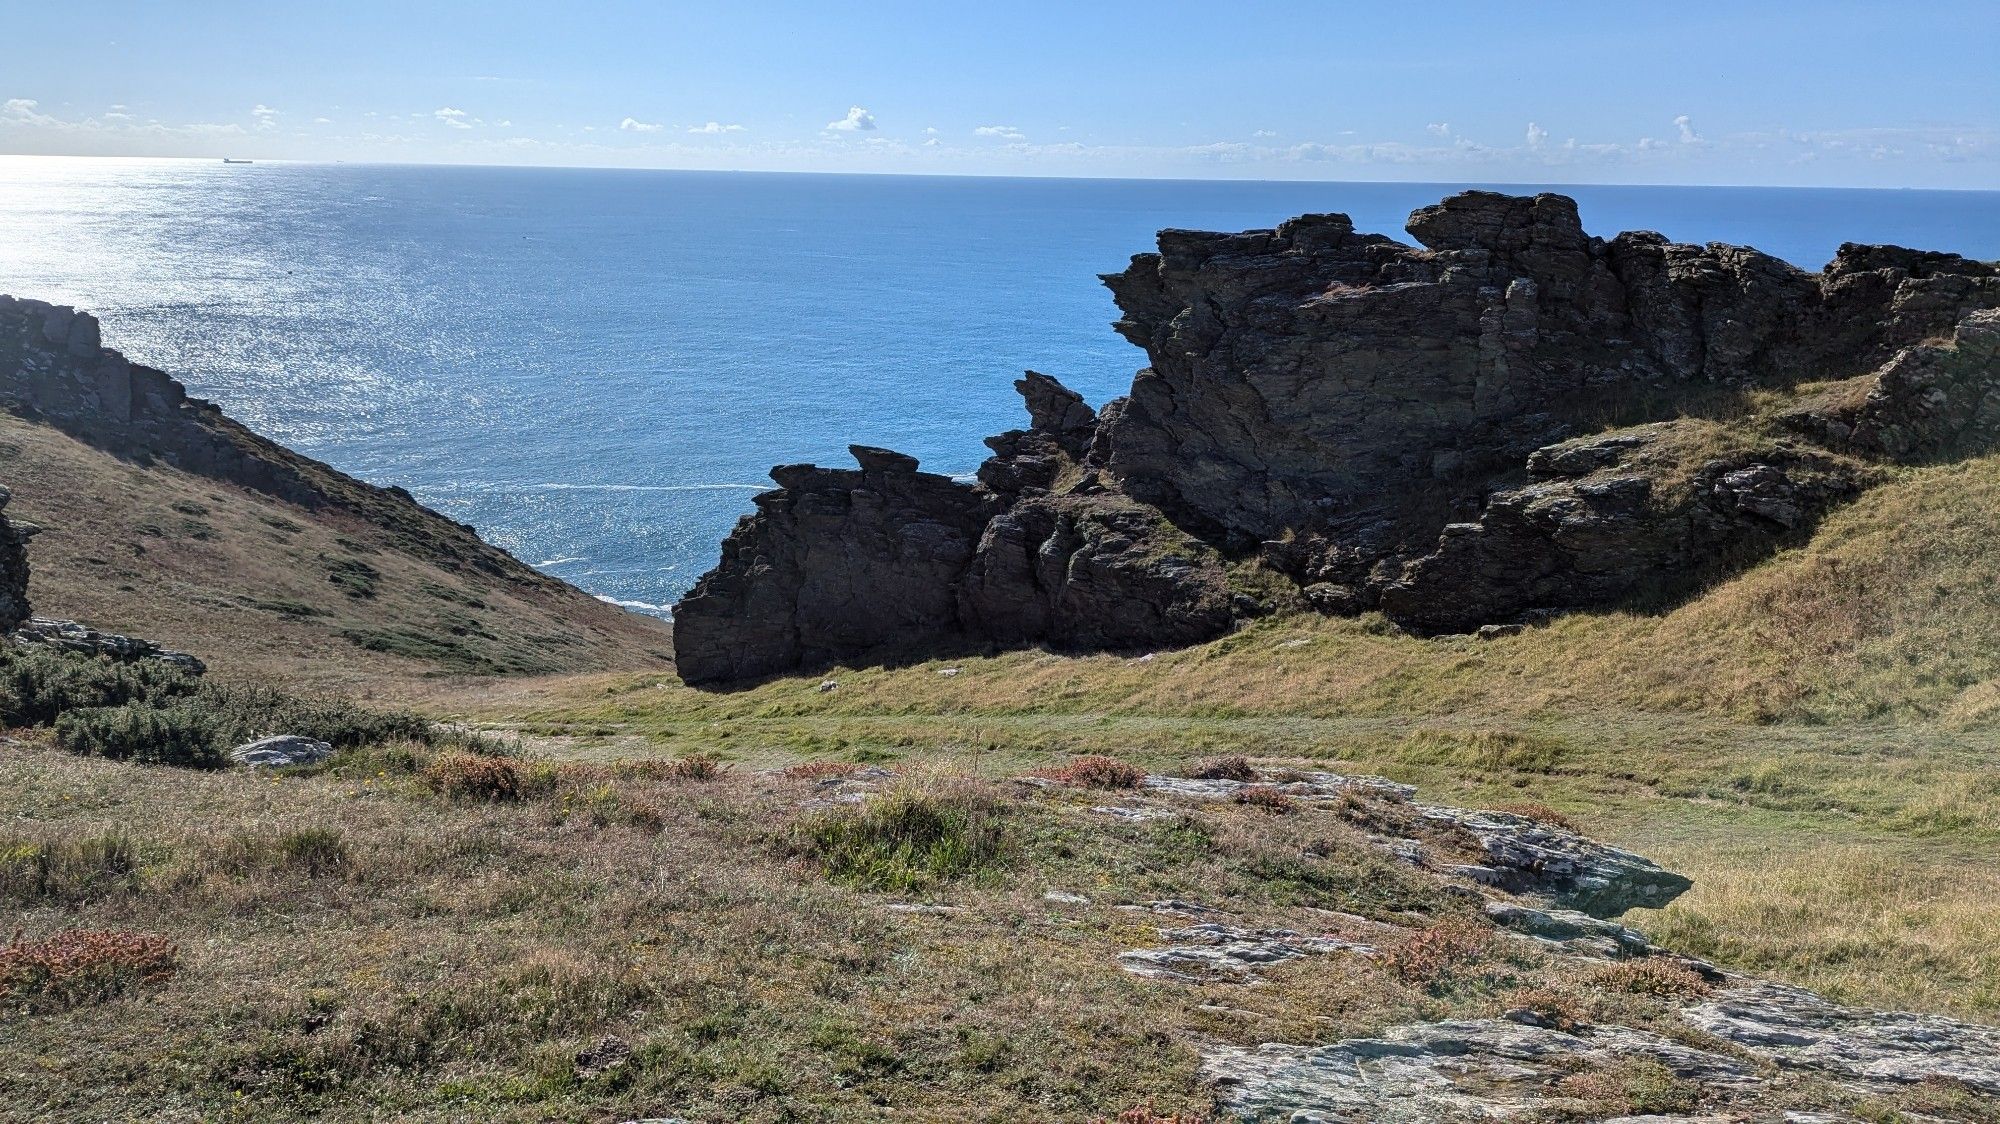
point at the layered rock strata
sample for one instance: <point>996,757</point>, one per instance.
<point>1510,417</point>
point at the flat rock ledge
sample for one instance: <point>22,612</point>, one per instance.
<point>1501,1069</point>
<point>1523,856</point>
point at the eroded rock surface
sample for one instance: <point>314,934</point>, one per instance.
<point>1510,418</point>
<point>71,636</point>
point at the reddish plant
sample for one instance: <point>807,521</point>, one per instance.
<point>1430,953</point>
<point>821,770</point>
<point>1541,814</point>
<point>474,776</point>
<point>1268,798</point>
<point>1235,768</point>
<point>79,966</point>
<point>1092,771</point>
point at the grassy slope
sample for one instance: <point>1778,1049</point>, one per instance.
<point>1812,740</point>
<point>249,582</point>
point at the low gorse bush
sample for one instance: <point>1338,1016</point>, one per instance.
<point>157,714</point>
<point>38,686</point>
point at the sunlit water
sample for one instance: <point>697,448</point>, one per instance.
<point>596,368</point>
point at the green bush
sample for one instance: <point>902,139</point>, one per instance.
<point>907,839</point>
<point>155,713</point>
<point>147,734</point>
<point>37,687</point>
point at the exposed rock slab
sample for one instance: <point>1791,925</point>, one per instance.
<point>1474,1069</point>
<point>1200,952</point>
<point>70,636</point>
<point>1800,1030</point>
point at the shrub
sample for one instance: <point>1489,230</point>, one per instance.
<point>1224,769</point>
<point>1432,952</point>
<point>1652,975</point>
<point>79,966</point>
<point>1092,771</point>
<point>1550,1007</point>
<point>1637,1086</point>
<point>1268,798</point>
<point>37,686</point>
<point>907,839</point>
<point>67,870</point>
<point>473,776</point>
<point>820,770</point>
<point>1541,814</point>
<point>146,734</point>
<point>699,767</point>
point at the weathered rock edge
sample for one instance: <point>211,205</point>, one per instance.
<point>1486,426</point>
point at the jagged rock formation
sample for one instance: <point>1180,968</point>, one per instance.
<point>13,567</point>
<point>1511,417</point>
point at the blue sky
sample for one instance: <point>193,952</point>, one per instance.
<point>1854,94</point>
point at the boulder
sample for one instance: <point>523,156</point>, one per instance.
<point>281,752</point>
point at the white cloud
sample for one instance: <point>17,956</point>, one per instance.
<point>267,118</point>
<point>21,111</point>
<point>857,120</point>
<point>634,125</point>
<point>1438,129</point>
<point>1004,132</point>
<point>452,117</point>
<point>932,142</point>
<point>1537,136</point>
<point>1265,133</point>
<point>1688,135</point>
<point>715,127</point>
<point>322,120</point>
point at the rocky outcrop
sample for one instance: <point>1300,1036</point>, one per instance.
<point>834,564</point>
<point>81,639</point>
<point>1495,423</point>
<point>13,567</point>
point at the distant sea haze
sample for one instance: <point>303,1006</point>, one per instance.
<point>598,368</point>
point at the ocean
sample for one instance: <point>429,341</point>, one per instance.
<point>597,368</point>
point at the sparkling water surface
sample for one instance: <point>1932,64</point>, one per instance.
<point>596,368</point>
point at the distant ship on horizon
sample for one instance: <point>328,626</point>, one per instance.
<point>228,160</point>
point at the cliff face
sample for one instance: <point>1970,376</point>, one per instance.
<point>1511,416</point>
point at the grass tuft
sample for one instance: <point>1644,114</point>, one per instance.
<point>908,838</point>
